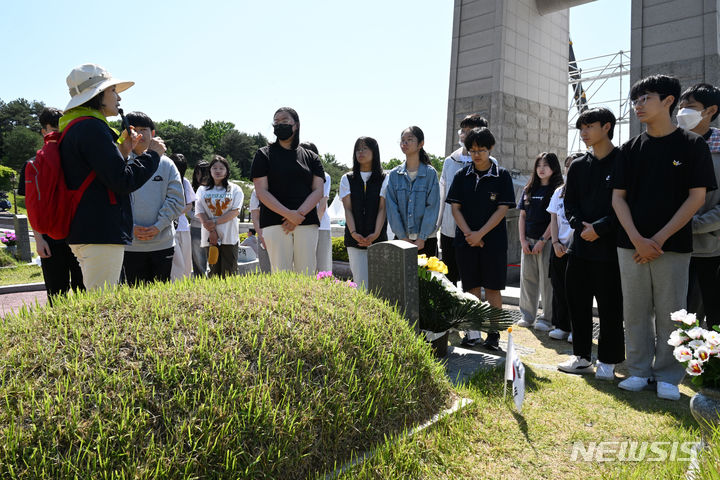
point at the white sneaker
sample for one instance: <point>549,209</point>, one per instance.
<point>668,391</point>
<point>558,334</point>
<point>604,371</point>
<point>576,364</point>
<point>524,323</point>
<point>569,339</point>
<point>634,384</point>
<point>542,326</point>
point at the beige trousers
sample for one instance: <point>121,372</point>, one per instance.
<point>100,263</point>
<point>292,251</point>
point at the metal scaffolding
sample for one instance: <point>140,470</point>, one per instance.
<point>594,82</point>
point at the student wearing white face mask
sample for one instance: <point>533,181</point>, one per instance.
<point>698,107</point>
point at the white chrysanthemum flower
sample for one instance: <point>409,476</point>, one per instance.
<point>695,344</point>
<point>683,354</point>
<point>695,332</point>
<point>694,368</point>
<point>678,316</point>
<point>690,319</point>
<point>712,338</point>
<point>677,338</point>
<point>702,354</point>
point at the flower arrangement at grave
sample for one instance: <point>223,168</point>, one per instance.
<point>444,306</point>
<point>697,349</point>
<point>8,238</point>
<point>329,277</point>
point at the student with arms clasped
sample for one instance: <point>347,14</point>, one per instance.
<point>698,107</point>
<point>480,195</point>
<point>659,184</point>
<point>592,269</point>
<point>289,184</point>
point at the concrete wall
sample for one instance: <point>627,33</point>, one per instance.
<point>675,37</point>
<point>509,63</point>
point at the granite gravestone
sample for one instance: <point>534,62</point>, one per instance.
<point>23,238</point>
<point>392,275</point>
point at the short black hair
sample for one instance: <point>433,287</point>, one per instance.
<point>139,119</point>
<point>599,114</point>
<point>704,93</point>
<point>310,146</point>
<point>663,85</point>
<point>50,116</point>
<point>180,163</point>
<point>251,231</point>
<point>480,136</point>
<point>474,120</point>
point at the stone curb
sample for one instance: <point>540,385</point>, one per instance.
<point>22,287</point>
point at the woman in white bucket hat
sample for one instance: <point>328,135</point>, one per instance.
<point>103,222</point>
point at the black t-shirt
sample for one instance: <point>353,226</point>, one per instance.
<point>537,217</point>
<point>657,173</point>
<point>290,176</point>
<point>588,198</point>
<point>479,194</point>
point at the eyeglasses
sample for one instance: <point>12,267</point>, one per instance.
<point>642,99</point>
<point>362,150</point>
<point>478,152</point>
<point>408,141</point>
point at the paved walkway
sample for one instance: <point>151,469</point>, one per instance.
<point>11,302</point>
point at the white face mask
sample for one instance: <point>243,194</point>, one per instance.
<point>688,118</point>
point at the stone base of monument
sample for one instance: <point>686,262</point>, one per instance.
<point>462,363</point>
<point>341,270</point>
<point>243,268</point>
<point>438,342</point>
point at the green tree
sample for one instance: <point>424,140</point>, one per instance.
<point>435,161</point>
<point>213,133</point>
<point>185,139</point>
<point>390,164</point>
<point>240,147</point>
<point>20,144</point>
<point>335,170</point>
<point>7,178</point>
<point>18,113</point>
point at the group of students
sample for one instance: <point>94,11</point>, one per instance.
<point>630,227</point>
<point>636,227</point>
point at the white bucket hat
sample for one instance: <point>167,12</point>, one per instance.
<point>88,80</point>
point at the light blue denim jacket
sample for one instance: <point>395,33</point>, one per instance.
<point>412,207</point>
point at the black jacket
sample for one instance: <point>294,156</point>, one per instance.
<point>90,145</point>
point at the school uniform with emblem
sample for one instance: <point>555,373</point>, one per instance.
<point>479,194</point>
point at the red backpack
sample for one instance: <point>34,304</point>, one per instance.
<point>50,204</point>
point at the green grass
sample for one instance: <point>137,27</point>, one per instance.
<point>251,377</point>
<point>21,274</point>
<point>490,439</point>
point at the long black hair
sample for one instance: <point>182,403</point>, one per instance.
<point>219,159</point>
<point>181,165</point>
<point>534,183</point>
<point>418,133</point>
<point>296,117</point>
<point>200,175</point>
<point>372,144</point>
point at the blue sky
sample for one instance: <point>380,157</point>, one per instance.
<point>348,68</point>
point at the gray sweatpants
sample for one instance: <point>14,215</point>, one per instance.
<point>535,283</point>
<point>651,292</point>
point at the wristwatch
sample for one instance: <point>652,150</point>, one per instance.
<point>541,239</point>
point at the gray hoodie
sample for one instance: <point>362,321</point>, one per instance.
<point>706,222</point>
<point>158,203</point>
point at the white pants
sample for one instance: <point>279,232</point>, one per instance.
<point>359,265</point>
<point>324,251</point>
<point>182,259</point>
<point>295,250</point>
<point>100,263</point>
<point>535,282</point>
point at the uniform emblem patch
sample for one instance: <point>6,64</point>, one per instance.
<point>493,196</point>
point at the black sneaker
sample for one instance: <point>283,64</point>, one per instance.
<point>492,341</point>
<point>470,343</point>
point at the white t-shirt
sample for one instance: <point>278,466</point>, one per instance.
<point>344,189</point>
<point>183,225</point>
<point>325,220</point>
<point>254,202</point>
<point>557,206</point>
<point>214,202</point>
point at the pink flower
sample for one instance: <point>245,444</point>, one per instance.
<point>702,354</point>
<point>694,368</point>
<point>677,338</point>
<point>321,275</point>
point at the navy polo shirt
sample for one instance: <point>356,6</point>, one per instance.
<point>479,194</point>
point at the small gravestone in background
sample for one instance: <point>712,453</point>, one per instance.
<point>392,275</point>
<point>23,238</point>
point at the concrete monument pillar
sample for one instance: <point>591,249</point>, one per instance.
<point>510,63</point>
<point>677,38</point>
